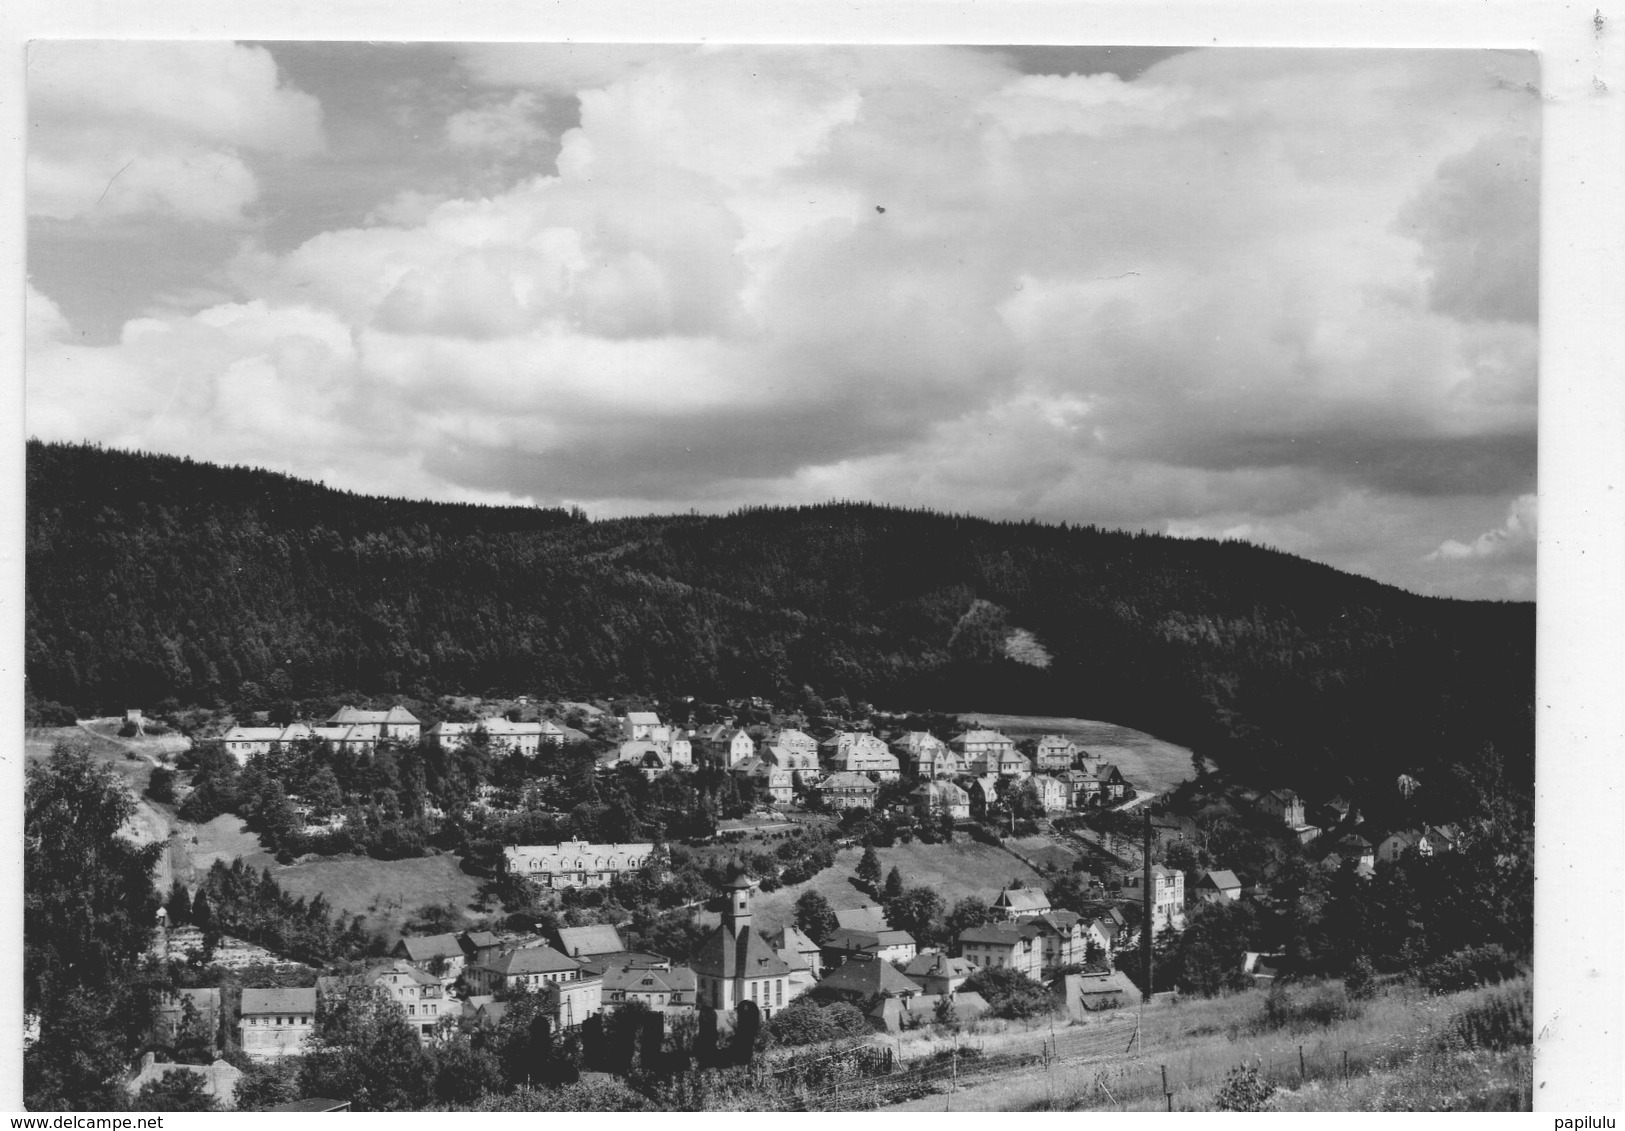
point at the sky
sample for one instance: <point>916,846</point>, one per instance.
<point>1282,295</point>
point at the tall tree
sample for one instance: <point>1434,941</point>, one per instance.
<point>869,868</point>
<point>814,915</point>
<point>88,911</point>
<point>894,883</point>
<point>363,1049</point>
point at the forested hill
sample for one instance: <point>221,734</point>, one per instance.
<point>151,577</point>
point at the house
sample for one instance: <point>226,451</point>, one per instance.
<point>865,918</point>
<point>798,765</point>
<point>981,750</point>
<point>894,1014</point>
<point>479,946</point>
<point>1395,845</point>
<point>891,945</point>
<point>532,967</point>
<point>1114,787</point>
<point>1168,900</point>
<point>796,752</point>
<point>936,973</point>
<point>639,724</point>
<point>1012,903</point>
<point>926,756</point>
<point>1438,838</point>
<point>1284,805</point>
<point>1012,763</point>
<point>865,754</point>
<point>588,942</point>
<point>273,1023</point>
<point>576,863</point>
<point>1352,847</point>
<point>789,940</point>
<point>1218,886</point>
<point>1261,968</point>
<point>848,791</point>
<point>771,781</point>
<point>1104,932</point>
<point>1052,793</point>
<point>1061,935</point>
<point>729,748</point>
<point>984,796</point>
<point>319,1104</point>
<point>1055,752</point>
<point>440,955</point>
<point>523,738</point>
<point>421,996</point>
<point>659,990</point>
<point>1082,787</point>
<point>219,1079</point>
<point>1094,991</point>
<point>864,976</point>
<point>941,798</point>
<point>397,723</point>
<point>1013,945</point>
<point>735,963</point>
<point>567,1004</point>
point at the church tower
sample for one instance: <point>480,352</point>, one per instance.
<point>738,917</point>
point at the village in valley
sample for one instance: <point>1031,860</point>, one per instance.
<point>757,863</point>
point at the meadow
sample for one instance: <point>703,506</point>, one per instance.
<point>385,892</point>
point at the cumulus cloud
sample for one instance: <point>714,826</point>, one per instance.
<point>777,274</point>
<point>1514,538</point>
<point>122,128</point>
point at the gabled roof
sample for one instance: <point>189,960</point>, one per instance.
<point>867,976</point>
<point>1022,899</point>
<point>480,939</point>
<point>999,934</point>
<point>403,969</point>
<point>1061,922</point>
<point>936,964</point>
<point>643,718</point>
<point>847,779</point>
<point>1221,878</point>
<point>426,948</point>
<point>587,941</point>
<point>847,938</point>
<point>280,999</point>
<point>792,938</point>
<point>532,960</point>
<point>980,736</point>
<point>867,918</point>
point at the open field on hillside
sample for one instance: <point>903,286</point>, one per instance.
<point>224,838</point>
<point>955,870</point>
<point>1148,762</point>
<point>384,892</point>
<point>1403,1051</point>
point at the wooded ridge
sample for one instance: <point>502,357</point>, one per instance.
<point>152,578</point>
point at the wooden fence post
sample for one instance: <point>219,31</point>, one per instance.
<point>1300,1063</point>
<point>1345,1066</point>
<point>1166,1094</point>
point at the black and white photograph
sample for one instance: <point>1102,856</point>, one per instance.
<point>703,576</point>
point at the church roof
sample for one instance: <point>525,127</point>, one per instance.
<point>743,954</point>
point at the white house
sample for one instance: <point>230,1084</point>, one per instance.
<point>576,863</point>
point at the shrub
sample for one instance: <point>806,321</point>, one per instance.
<point>1361,980</point>
<point>1244,1089</point>
<point>1470,967</point>
<point>1500,1020</point>
<point>128,730</point>
<point>1297,1012</point>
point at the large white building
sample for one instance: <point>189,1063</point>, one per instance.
<point>576,863</point>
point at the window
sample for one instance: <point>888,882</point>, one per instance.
<point>411,1011</point>
<point>778,998</point>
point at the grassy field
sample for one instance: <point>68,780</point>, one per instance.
<point>1147,762</point>
<point>1406,1050</point>
<point>384,892</point>
<point>953,870</point>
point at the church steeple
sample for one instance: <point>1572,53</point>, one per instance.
<point>738,917</point>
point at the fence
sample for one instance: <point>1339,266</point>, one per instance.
<point>1090,1067</point>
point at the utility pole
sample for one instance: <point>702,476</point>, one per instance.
<point>1145,906</point>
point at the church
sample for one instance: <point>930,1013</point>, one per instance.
<point>735,963</point>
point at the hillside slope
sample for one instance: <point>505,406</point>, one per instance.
<point>152,577</point>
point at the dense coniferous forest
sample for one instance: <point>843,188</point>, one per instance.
<point>154,578</point>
